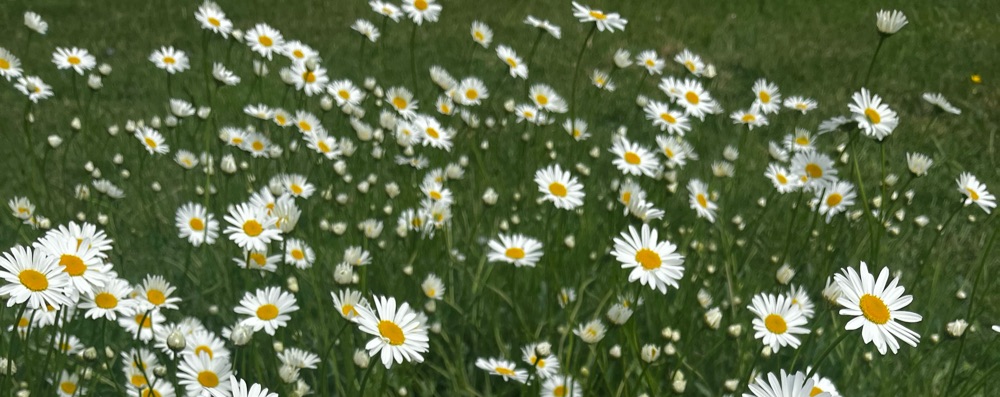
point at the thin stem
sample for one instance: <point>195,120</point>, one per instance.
<point>364,379</point>
<point>576,75</point>
<point>822,356</point>
<point>871,66</point>
<point>413,58</point>
<point>972,302</point>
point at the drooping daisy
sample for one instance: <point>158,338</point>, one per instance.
<point>299,254</point>
<point>433,287</point>
<point>813,168</point>
<point>653,263</point>
<point>367,29</point>
<point>264,39</point>
<point>201,375</point>
<point>109,301</point>
<point>398,334</point>
<point>940,102</point>
<point>152,140</point>
<point>835,198</point>
<point>750,118</point>
<point>10,66</point>
<point>224,76</point>
<point>471,91</point>
<point>482,34</point>
<point>692,96</point>
<point>605,21</point>
<point>34,278</point>
<point>800,299</point>
<point>591,332</point>
<point>975,192</point>
<point>559,187</point>
<point>35,22</point>
<point>347,301</point>
<point>517,67</point>
<point>768,100</point>
<point>633,159</point>
<point>602,80</point>
<point>651,61</point>
<point>502,368</point>
<point>777,321</point>
<point>517,249</point>
<point>267,309</point>
<point>422,10</point>
<point>386,9</point>
<point>918,163</point>
<point>212,18</point>
<point>698,196</point>
<point>156,292</point>
<point>78,59</point>
<point>546,98</point>
<point>21,208</point>
<point>544,25</point>
<point>577,129</point>
<point>561,386</point>
<point>172,60</point>
<point>874,118</point>
<point>196,225</point>
<point>876,307</point>
<point>251,228</point>
<point>784,385</point>
<point>298,358</point>
<point>801,104</point>
<point>33,87</point>
<point>889,22</point>
<point>782,180</point>
<point>691,62</point>
<point>185,159</point>
<point>324,144</point>
<point>402,100</point>
<point>666,119</point>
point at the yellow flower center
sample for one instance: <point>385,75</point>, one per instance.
<point>150,142</point>
<point>472,94</point>
<point>650,62</point>
<point>296,189</point>
<point>156,297</point>
<point>420,5</point>
<point>252,228</point>
<point>280,119</point>
<point>214,22</point>
<point>399,103</point>
<point>479,36</point>
<point>632,158</point>
<point>73,265</point>
<point>764,97</point>
<point>258,259</point>
<point>204,349</point>
<point>298,254</point>
<point>265,41</point>
<point>702,201</point>
<point>4,64</point>
<point>431,292</point>
<point>298,53</point>
<point>138,380</point>
<point>668,118</point>
<point>690,66</point>
<point>147,392</point>
<point>542,99</point>
<point>692,97</point>
<point>781,179</point>
<point>648,259</point>
<point>873,116</point>
<point>802,140</point>
<point>323,147</point>
<point>390,331</point>
<point>433,133</point>
<point>512,62</point>
<point>73,60</point>
<point>627,197</point>
<point>169,60</point>
<point>775,323</point>
<point>801,106</point>
<point>435,195</point>
<point>343,94</point>
<point>814,171</point>
<point>815,391</point>
<point>598,15</point>
<point>504,371</point>
<point>874,309</point>
<point>348,310</point>
<point>105,300</point>
<point>972,194</point>
<point>68,387</point>
<point>668,152</point>
<point>559,391</point>
<point>196,224</point>
<point>208,379</point>
<point>267,312</point>
<point>748,118</point>
<point>143,320</point>
<point>557,189</point>
<point>514,253</point>
<point>33,280</point>
<point>309,76</point>
<point>23,322</point>
<point>833,199</point>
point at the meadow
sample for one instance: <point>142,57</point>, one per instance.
<point>647,198</point>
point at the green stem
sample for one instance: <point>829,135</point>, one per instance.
<point>871,66</point>
<point>576,75</point>
<point>822,356</point>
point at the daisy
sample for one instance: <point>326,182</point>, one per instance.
<point>602,80</point>
<point>264,39</point>
<point>224,76</point>
<point>445,105</point>
<point>35,22</point>
<point>875,305</point>
<point>34,279</point>
<point>201,375</point>
<point>238,388</point>
<point>159,388</point>
<point>800,300</point>
<point>212,18</point>
<point>508,56</point>
<point>591,332</point>
<point>68,385</point>
<point>347,301</point>
<point>691,62</point>
<point>79,260</point>
<point>366,29</point>
<point>777,321</point>
<point>698,196</point>
<point>802,141</point>
<point>310,81</point>
<point>517,249</point>
<point>267,309</point>
<point>402,100</point>
<point>10,66</point>
<point>109,301</point>
<point>169,59</point>
<point>185,159</point>
<point>975,192</point>
<point>203,342</point>
<point>652,62</point>
<point>782,180</point>
<point>442,78</point>
<point>632,159</point>
<point>833,124</point>
<point>432,133</point>
<point>822,385</point>
<point>676,150</point>
<point>609,22</point>
<point>398,333</point>
<point>33,87</point>
<point>181,108</point>
<point>940,102</point>
<point>559,187</point>
<point>307,123</point>
<point>251,228</point>
<point>801,104</point>
<point>299,254</point>
<point>546,98</point>
<point>142,324</point>
<point>196,225</point>
<point>281,117</point>
<point>577,131</point>
<point>873,117</point>
<point>785,385</point>
<point>835,198</point>
<point>258,260</point>
<point>529,113</point>
<point>482,34</point>
<point>889,22</point>
<point>156,292</point>
<point>298,358</point>
<point>814,168</point>
<point>78,59</point>
<point>435,191</point>
<point>768,100</point>
<point>386,9</point>
<point>545,366</point>
<point>345,93</point>
<point>544,25</point>
<point>21,208</point>
<point>297,186</point>
<point>692,96</point>
<point>561,386</point>
<point>152,140</point>
<point>675,122</point>
<point>503,368</point>
<point>653,263</point>
<point>750,118</point>
<point>324,144</point>
<point>422,10</point>
<point>471,91</point>
<point>918,163</point>
<point>298,52</point>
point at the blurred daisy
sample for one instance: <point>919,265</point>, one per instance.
<point>609,22</point>
<point>212,18</point>
<point>347,301</point>
<point>698,196</point>
<point>433,287</point>
<point>784,385</point>
<point>345,93</point>
<point>298,358</point>
<point>398,334</point>
<point>822,385</point>
<point>676,150</point>
<point>299,52</point>
<point>801,141</point>
<point>602,80</point>
<point>813,168</point>
<point>800,300</point>
<point>33,87</point>
<point>238,388</point>
<point>632,159</point>
<point>561,386</point>
<point>157,292</point>
<point>299,254</point>
<point>835,198</point>
<point>10,66</point>
<point>508,56</point>
<point>78,59</point>
<point>471,91</point>
<point>251,228</point>
<point>768,100</point>
<point>546,98</point>
<point>482,34</point>
<point>34,279</point>
<point>889,22</point>
<point>169,59</point>
<point>502,368</point>
<point>21,208</point>
<point>939,102</point>
<point>310,81</point>
<point>34,22</point>
<point>653,263</point>
<point>152,140</point>
<point>832,124</point>
<point>324,144</point>
<point>267,309</point>
<point>402,100</point>
<point>691,62</point>
<point>201,375</point>
<point>432,133</point>
<point>873,117</point>
<point>196,224</point>
<point>529,113</point>
<point>591,332</point>
<point>545,366</point>
<point>422,10</point>
<point>224,76</point>
<point>544,25</point>
<point>975,192</point>
<point>297,186</point>
<point>875,305</point>
<point>258,260</point>
<point>668,120</point>
<point>801,104</point>
<point>386,9</point>
<point>142,324</point>
<point>918,163</point>
<point>692,96</point>
<point>559,187</point>
<point>750,118</point>
<point>652,62</point>
<point>109,301</point>
<point>777,321</point>
<point>367,29</point>
<point>579,131</point>
<point>68,385</point>
<point>517,249</point>
<point>445,105</point>
<point>264,39</point>
<point>782,180</point>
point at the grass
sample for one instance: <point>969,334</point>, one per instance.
<point>491,310</point>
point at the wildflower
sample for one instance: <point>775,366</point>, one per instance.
<point>508,56</point>
<point>889,22</point>
<point>591,332</point>
<point>171,60</point>
<point>801,104</point>
<point>698,196</point>
<point>544,25</point>
<point>422,10</point>
<point>482,34</point>
<point>673,121</point>
<point>516,249</point>
<point>632,159</point>
<point>398,334</point>
<point>10,66</point>
<point>653,263</point>
<point>609,22</point>
<point>768,100</point>
<point>940,102</point>
<point>78,59</point>
<point>33,87</point>
<point>559,187</point>
<point>873,117</point>
<point>212,18</point>
<point>35,22</point>
<point>366,29</point>
<point>777,321</point>
<point>251,228</point>
<point>503,368</point>
<point>34,279</point>
<point>835,198</point>
<point>875,305</point>
<point>783,385</point>
<point>201,375</point>
<point>652,62</point>
<point>975,192</point>
<point>264,40</point>
<point>267,309</point>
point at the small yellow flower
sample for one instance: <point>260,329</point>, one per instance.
<point>976,79</point>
